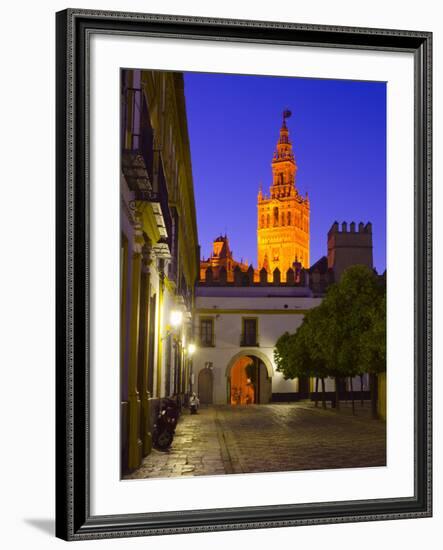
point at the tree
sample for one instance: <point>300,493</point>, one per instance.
<point>329,334</point>
<point>285,356</point>
<point>343,337</point>
<point>298,354</point>
<point>373,348</point>
<point>355,305</point>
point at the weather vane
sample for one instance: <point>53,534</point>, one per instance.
<point>286,114</point>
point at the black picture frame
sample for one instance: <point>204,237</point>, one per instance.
<point>74,521</point>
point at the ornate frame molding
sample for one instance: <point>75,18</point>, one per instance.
<point>74,29</point>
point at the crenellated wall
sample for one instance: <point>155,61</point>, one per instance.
<point>253,277</point>
<point>349,246</point>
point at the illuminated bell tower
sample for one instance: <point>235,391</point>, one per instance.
<point>283,215</point>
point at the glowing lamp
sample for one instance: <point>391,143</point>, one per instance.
<point>176,318</point>
<point>191,349</point>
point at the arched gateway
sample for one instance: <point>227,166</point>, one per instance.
<point>248,378</point>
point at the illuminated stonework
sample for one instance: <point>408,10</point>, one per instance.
<point>283,216</point>
<point>221,257</point>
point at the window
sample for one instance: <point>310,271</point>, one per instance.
<point>289,218</point>
<point>249,332</point>
<point>207,332</point>
<point>275,215</point>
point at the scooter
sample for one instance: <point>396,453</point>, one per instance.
<point>172,409</point>
<point>162,434</point>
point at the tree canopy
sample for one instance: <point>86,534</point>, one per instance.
<point>344,336</point>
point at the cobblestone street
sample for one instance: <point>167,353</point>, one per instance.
<point>267,438</point>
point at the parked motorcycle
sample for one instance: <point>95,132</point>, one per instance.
<point>164,428</point>
<point>172,408</point>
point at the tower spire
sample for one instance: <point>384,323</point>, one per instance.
<point>283,215</point>
<point>283,150</point>
<point>284,167</point>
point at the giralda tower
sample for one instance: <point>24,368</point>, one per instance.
<point>283,215</point>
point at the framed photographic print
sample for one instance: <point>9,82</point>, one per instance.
<point>243,274</point>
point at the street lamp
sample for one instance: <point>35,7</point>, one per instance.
<point>191,349</point>
<point>176,318</point>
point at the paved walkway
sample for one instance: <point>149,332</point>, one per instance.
<point>268,438</point>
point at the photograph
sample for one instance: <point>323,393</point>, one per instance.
<point>253,276</point>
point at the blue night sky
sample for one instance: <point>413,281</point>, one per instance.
<point>338,131</point>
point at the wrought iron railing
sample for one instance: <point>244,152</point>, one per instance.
<point>138,146</point>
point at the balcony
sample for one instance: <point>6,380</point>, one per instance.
<point>157,197</point>
<point>138,146</point>
<point>142,167</point>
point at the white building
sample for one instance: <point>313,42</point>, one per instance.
<point>237,326</point>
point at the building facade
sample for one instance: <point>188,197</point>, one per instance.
<point>159,253</point>
<point>236,328</point>
<point>283,216</point>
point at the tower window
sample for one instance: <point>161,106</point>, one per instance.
<point>281,178</point>
<point>289,218</point>
<point>268,221</point>
<point>262,224</point>
<point>276,215</point>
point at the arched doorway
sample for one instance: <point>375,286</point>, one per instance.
<point>205,386</point>
<point>248,381</point>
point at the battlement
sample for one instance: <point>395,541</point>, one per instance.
<point>254,277</point>
<point>349,246</point>
<point>362,228</point>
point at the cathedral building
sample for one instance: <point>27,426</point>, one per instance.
<point>221,257</point>
<point>283,215</point>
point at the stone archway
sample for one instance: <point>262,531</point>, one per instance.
<point>251,352</point>
<point>248,378</point>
